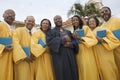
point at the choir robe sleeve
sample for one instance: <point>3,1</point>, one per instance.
<point>2,32</point>
<point>89,39</point>
<point>110,41</point>
<point>1,49</point>
<point>36,48</point>
<point>53,40</point>
<point>18,53</point>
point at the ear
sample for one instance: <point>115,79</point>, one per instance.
<point>3,15</point>
<point>25,21</point>
<point>33,24</point>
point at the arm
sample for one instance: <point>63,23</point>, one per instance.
<point>18,53</point>
<point>53,40</point>
<point>36,48</point>
<point>110,41</point>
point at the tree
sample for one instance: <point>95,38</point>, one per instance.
<point>87,10</point>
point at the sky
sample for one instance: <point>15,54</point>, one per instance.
<point>48,8</point>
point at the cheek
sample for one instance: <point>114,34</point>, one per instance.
<point>44,27</point>
<point>92,24</point>
<point>101,14</point>
<point>76,23</point>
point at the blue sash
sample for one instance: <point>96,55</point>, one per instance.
<point>5,40</point>
<point>40,41</point>
<point>117,33</point>
<point>26,50</point>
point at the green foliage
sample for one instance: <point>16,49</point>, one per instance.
<point>87,10</point>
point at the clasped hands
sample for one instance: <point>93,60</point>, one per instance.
<point>68,41</point>
<point>76,36</point>
<point>8,48</point>
<point>30,58</point>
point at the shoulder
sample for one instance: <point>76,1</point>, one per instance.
<point>38,32</point>
<point>20,29</point>
<point>67,30</point>
<point>51,31</point>
<point>3,23</point>
<point>86,27</point>
<point>115,19</point>
<point>3,26</point>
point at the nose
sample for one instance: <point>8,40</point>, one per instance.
<point>104,12</point>
<point>11,15</point>
<point>58,19</point>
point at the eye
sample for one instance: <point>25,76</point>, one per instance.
<point>106,10</point>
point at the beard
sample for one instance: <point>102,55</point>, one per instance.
<point>106,17</point>
<point>58,24</point>
<point>9,20</point>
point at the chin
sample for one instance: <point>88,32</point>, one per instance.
<point>106,19</point>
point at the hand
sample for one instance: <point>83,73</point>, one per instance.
<point>32,57</point>
<point>8,48</point>
<point>67,38</point>
<point>84,20</point>
<point>67,44</point>
<point>28,59</point>
<point>75,35</point>
<point>99,39</point>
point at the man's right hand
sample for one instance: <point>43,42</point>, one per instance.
<point>8,48</point>
<point>28,59</point>
<point>67,38</point>
<point>67,44</point>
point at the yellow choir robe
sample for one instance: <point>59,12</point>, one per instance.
<point>43,64</point>
<point>6,61</point>
<point>22,69</point>
<point>114,24</point>
<point>105,57</point>
<point>87,67</point>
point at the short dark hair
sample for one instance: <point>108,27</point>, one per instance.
<point>80,21</point>
<point>44,20</point>
<point>96,20</point>
<point>107,8</point>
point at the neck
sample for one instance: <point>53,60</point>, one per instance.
<point>29,29</point>
<point>58,26</point>
<point>44,31</point>
<point>9,23</point>
<point>92,29</point>
<point>107,19</point>
<point>77,27</point>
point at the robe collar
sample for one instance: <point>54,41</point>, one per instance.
<point>11,27</point>
<point>32,30</point>
<point>58,28</point>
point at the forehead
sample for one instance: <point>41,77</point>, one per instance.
<point>75,18</point>
<point>45,21</point>
<point>57,17</point>
<point>104,9</point>
<point>9,12</point>
<point>30,18</point>
<point>91,19</point>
